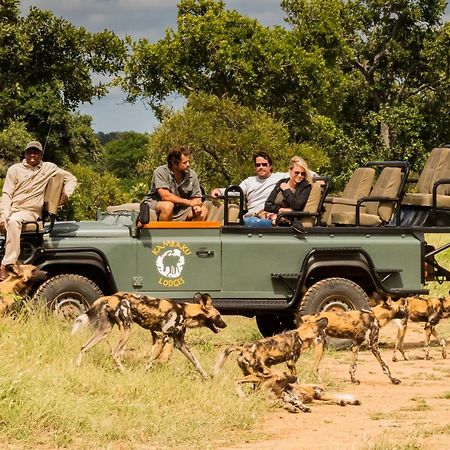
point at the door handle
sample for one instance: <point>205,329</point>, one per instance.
<point>205,253</point>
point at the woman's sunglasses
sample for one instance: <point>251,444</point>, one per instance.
<point>303,174</point>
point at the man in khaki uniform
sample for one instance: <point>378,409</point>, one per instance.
<point>23,197</point>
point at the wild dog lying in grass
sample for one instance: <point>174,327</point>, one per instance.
<point>258,357</point>
<point>165,319</point>
<point>283,387</point>
<point>428,310</point>
<point>356,325</point>
<point>19,282</point>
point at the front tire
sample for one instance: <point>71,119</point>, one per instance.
<point>270,324</point>
<point>337,294</point>
<point>68,295</point>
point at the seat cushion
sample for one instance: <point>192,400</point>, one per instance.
<point>436,167</point>
<point>349,218</point>
<point>443,201</point>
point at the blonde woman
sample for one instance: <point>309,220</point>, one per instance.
<point>290,194</point>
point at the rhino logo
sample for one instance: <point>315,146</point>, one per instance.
<point>170,263</point>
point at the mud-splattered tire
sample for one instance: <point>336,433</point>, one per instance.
<point>270,324</point>
<point>68,295</point>
<point>334,293</point>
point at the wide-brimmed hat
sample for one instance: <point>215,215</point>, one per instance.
<point>34,144</point>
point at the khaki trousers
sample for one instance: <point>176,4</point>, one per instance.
<point>13,230</point>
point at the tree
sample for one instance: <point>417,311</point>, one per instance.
<point>46,71</point>
<point>224,137</point>
<point>124,152</point>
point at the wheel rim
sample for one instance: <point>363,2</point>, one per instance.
<point>337,302</point>
<point>69,305</point>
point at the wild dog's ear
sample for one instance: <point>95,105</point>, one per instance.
<point>14,269</point>
<point>203,299</point>
<point>322,323</point>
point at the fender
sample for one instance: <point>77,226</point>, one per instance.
<point>319,261</point>
<point>81,257</point>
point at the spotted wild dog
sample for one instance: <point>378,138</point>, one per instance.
<point>359,325</point>
<point>258,357</point>
<point>165,319</point>
<point>21,278</point>
<point>283,387</point>
<point>428,310</point>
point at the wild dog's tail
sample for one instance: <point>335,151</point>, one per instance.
<point>80,322</point>
<point>223,355</point>
<point>90,316</point>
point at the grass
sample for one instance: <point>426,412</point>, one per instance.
<point>438,240</point>
<point>45,401</point>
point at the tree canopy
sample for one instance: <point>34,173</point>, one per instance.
<point>47,68</point>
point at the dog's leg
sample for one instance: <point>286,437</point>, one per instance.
<point>402,325</point>
<point>251,378</point>
<point>181,345</point>
<point>426,348</point>
<point>120,347</point>
<point>291,366</point>
<point>104,327</point>
<point>158,344</point>
<point>373,344</point>
<point>353,365</point>
<point>318,353</point>
<point>441,341</point>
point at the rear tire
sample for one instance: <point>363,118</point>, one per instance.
<point>270,324</point>
<point>68,295</point>
<point>334,293</point>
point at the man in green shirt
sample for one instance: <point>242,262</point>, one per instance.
<point>175,192</point>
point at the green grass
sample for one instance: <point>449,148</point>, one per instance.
<point>443,258</point>
<point>46,400</point>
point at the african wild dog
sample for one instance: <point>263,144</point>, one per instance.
<point>21,278</point>
<point>283,387</point>
<point>428,310</point>
<point>258,357</point>
<point>356,325</point>
<point>165,319</point>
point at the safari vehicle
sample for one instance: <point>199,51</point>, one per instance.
<point>376,245</point>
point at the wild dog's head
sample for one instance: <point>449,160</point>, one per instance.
<point>311,329</point>
<point>445,304</point>
<point>206,315</point>
<point>23,276</point>
<point>390,308</point>
<point>277,382</point>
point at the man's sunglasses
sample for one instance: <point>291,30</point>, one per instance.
<point>261,164</point>
<point>303,174</point>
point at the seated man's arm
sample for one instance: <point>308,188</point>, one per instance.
<point>7,194</point>
<point>70,183</point>
<point>167,196</point>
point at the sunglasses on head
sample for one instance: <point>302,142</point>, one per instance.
<point>303,174</point>
<point>261,164</point>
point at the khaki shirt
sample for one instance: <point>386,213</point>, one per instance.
<point>25,185</point>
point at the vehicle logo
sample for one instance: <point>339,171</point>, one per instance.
<point>170,262</point>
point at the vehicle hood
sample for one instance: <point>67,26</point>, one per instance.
<point>89,229</point>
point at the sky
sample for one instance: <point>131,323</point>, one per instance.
<point>139,19</point>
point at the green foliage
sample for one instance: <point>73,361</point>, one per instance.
<point>124,152</point>
<point>94,190</point>
<point>13,139</point>
<point>224,137</point>
<point>47,65</point>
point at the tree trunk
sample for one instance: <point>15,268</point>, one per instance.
<point>384,131</point>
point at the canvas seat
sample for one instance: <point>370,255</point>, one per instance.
<point>377,208</point>
<point>435,175</point>
<point>359,185</point>
<point>52,196</point>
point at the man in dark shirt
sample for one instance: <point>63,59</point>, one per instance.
<point>175,192</point>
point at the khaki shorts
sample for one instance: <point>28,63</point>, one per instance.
<point>180,214</point>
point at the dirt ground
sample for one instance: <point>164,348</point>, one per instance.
<point>412,415</point>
